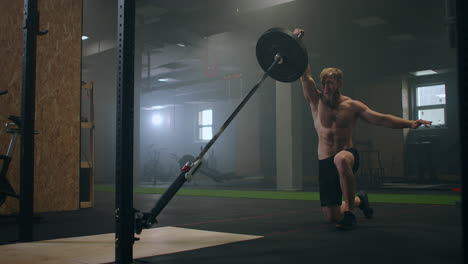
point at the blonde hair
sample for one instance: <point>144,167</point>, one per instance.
<point>333,72</point>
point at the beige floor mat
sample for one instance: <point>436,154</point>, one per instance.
<point>101,248</point>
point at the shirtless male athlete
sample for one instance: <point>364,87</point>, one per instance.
<point>335,116</point>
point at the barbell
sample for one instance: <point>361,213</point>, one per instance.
<point>283,57</point>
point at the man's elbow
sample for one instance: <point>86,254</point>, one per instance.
<point>308,98</point>
<point>384,120</point>
<point>307,79</point>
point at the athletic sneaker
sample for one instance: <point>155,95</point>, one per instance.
<point>364,206</point>
<point>348,221</point>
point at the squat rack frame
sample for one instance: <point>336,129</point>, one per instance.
<point>125,214</point>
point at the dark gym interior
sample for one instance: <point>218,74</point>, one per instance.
<point>194,62</point>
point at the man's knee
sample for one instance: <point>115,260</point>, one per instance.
<point>344,160</point>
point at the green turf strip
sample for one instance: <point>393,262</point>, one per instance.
<point>308,196</point>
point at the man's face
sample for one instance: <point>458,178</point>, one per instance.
<point>331,88</point>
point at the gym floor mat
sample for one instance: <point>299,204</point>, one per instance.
<point>98,249</point>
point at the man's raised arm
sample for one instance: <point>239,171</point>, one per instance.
<point>309,87</point>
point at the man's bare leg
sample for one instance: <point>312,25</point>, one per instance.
<point>335,213</point>
<point>332,213</point>
<point>345,207</point>
<point>344,162</point>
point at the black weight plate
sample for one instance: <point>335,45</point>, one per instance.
<point>289,47</point>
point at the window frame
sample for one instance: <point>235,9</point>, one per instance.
<point>200,126</point>
<point>415,108</point>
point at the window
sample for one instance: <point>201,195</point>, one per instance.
<point>430,103</point>
<point>205,125</point>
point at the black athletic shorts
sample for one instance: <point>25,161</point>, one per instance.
<point>329,180</point>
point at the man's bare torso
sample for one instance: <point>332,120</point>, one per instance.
<point>334,126</point>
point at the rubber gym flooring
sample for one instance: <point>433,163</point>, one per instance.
<point>292,230</point>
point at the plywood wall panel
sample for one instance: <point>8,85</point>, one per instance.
<point>11,41</point>
<point>57,100</point>
<point>58,106</point>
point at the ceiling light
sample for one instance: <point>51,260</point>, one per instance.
<point>167,80</point>
<point>181,45</point>
<point>154,107</point>
<point>260,4</point>
<point>84,37</point>
<point>422,73</point>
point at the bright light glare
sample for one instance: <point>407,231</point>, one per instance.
<point>84,37</point>
<point>157,120</point>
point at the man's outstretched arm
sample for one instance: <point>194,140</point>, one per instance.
<point>387,120</point>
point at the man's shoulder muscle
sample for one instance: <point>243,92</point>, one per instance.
<point>356,105</point>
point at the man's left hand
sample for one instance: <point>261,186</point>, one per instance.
<point>419,123</point>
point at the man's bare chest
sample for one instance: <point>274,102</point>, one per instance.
<point>340,117</point>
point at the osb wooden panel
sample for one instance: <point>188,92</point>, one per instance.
<point>57,100</point>
<point>58,107</point>
<point>11,41</point>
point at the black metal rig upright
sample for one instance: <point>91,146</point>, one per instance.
<point>30,32</point>
<point>124,212</point>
